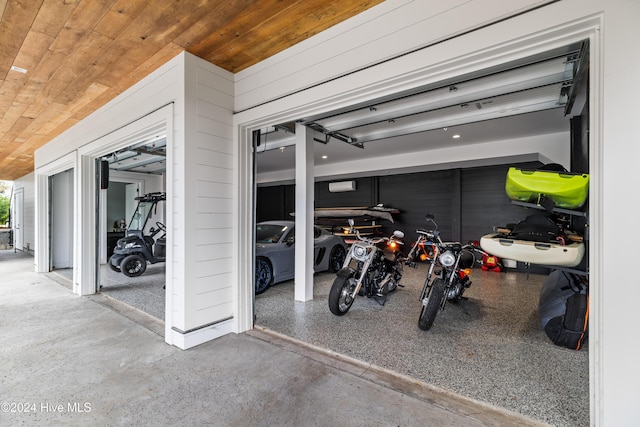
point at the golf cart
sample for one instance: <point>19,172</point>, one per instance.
<point>136,249</point>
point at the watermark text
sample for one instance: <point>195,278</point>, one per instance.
<point>45,407</point>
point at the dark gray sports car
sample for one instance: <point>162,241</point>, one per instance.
<point>275,248</point>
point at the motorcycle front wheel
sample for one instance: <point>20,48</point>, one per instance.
<point>430,310</point>
<point>340,299</point>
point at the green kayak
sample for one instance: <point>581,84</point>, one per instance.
<point>567,190</point>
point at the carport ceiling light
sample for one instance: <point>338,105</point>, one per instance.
<point>540,74</point>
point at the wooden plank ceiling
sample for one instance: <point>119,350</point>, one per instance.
<point>79,54</point>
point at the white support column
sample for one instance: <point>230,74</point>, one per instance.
<point>41,257</point>
<point>84,266</point>
<point>304,214</point>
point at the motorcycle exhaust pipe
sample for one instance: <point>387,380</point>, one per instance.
<point>382,289</point>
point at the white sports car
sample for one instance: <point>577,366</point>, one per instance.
<point>275,248</point>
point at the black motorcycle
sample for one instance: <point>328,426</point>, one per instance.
<point>450,281</point>
<point>373,268</point>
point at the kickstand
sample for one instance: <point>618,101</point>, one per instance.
<point>380,299</point>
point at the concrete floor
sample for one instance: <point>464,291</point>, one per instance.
<point>490,347</point>
<point>70,360</point>
<point>146,292</point>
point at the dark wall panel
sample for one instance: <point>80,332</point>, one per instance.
<point>275,202</point>
<point>270,203</point>
<point>362,196</point>
<point>467,203</point>
<point>580,142</point>
<point>415,195</point>
<point>484,203</point>
<point>289,201</point>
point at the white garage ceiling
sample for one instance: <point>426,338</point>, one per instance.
<point>531,97</point>
<point>521,126</point>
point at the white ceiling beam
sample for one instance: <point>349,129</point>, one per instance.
<point>502,106</point>
<point>541,74</point>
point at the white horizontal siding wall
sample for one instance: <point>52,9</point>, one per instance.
<point>199,186</point>
<point>390,29</point>
<point>157,97</point>
<point>208,199</point>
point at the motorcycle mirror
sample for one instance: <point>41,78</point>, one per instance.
<point>398,234</point>
<point>351,222</point>
<point>431,217</point>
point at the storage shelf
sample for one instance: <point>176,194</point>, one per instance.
<point>567,269</point>
<point>555,210</point>
<point>582,214</point>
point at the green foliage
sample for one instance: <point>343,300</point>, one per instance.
<point>5,204</point>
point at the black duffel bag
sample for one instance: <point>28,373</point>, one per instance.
<point>564,309</point>
<point>537,227</point>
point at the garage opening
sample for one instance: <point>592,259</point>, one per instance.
<point>132,222</point>
<point>445,149</point>
<point>61,222</point>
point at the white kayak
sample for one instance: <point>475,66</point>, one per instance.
<point>533,252</point>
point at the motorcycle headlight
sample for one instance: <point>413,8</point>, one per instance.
<point>359,252</point>
<point>447,259</point>
<point>131,245</point>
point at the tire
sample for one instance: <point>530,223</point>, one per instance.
<point>133,265</point>
<point>113,267</point>
<point>264,275</point>
<point>339,301</point>
<point>429,312</point>
<point>336,259</point>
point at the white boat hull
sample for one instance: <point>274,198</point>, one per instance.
<point>533,252</point>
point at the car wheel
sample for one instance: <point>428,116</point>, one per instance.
<point>336,259</point>
<point>264,275</point>
<point>133,265</point>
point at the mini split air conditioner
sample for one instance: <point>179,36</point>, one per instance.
<point>338,187</point>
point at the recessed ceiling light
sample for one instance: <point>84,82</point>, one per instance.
<point>19,69</point>
<point>456,136</point>
<point>324,157</point>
